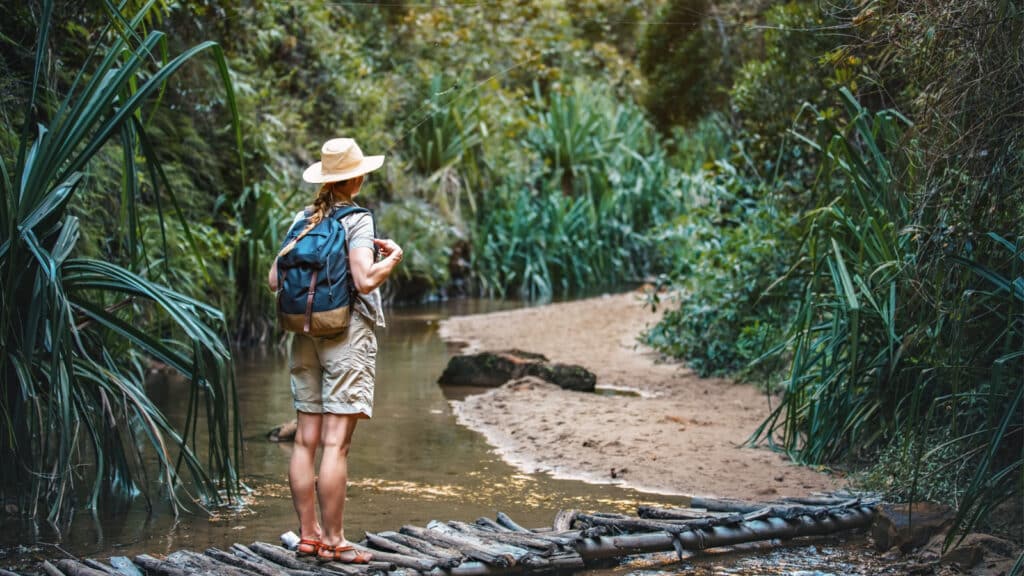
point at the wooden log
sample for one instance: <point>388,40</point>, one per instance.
<point>563,539</point>
<point>194,562</point>
<point>124,566</point>
<point>280,556</point>
<point>50,569</point>
<point>247,553</point>
<point>243,551</point>
<point>75,568</point>
<point>829,500</point>
<point>8,573</point>
<point>563,520</point>
<point>509,523</point>
<point>634,524</point>
<point>519,539</point>
<point>725,505</point>
<point>153,566</point>
<point>443,552</point>
<point>381,543</point>
<point>514,554</point>
<point>491,525</point>
<point>767,529</point>
<point>248,565</point>
<point>97,565</point>
<point>655,513</point>
<point>394,559</point>
<point>467,549</point>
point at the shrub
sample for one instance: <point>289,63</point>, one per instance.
<point>730,250</point>
<point>681,57</point>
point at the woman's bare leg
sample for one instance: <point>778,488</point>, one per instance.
<point>336,439</point>
<point>301,475</point>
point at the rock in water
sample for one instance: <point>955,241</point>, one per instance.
<point>909,526</point>
<point>568,376</point>
<point>283,432</point>
<point>492,369</point>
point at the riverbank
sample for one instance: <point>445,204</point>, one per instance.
<point>672,432</point>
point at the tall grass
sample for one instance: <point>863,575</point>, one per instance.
<point>262,210</point>
<point>73,329</point>
<point>892,343</point>
<point>587,212</point>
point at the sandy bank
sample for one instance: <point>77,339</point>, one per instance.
<point>680,434</point>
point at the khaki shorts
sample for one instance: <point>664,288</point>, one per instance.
<point>335,374</point>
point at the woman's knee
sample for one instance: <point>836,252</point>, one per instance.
<point>338,443</point>
<point>307,439</point>
<point>308,429</point>
<point>337,432</point>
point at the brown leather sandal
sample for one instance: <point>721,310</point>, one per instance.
<point>307,542</point>
<point>336,552</point>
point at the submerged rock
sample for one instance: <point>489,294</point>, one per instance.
<point>909,526</point>
<point>283,432</point>
<point>492,369</point>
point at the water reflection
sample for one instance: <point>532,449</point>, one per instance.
<point>412,463</point>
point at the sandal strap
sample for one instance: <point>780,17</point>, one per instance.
<point>341,548</point>
<point>309,542</point>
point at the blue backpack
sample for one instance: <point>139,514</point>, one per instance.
<point>314,285</point>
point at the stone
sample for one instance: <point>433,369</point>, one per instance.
<point>977,548</point>
<point>493,369</point>
<point>568,376</point>
<point>283,432</point>
<point>909,526</point>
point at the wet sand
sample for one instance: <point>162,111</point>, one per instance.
<point>676,433</point>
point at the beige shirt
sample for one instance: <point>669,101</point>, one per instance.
<point>359,232</point>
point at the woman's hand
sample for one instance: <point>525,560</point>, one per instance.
<point>367,274</point>
<point>389,248</point>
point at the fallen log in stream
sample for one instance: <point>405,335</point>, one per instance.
<point>574,541</point>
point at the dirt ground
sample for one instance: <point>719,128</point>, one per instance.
<point>672,432</point>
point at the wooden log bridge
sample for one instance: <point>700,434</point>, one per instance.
<point>574,541</point>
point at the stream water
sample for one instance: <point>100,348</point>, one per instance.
<point>412,463</point>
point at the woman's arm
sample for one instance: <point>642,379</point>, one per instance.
<point>367,275</point>
<point>272,278</point>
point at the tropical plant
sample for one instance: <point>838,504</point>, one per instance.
<point>887,344</point>
<point>447,132</point>
<point>263,217</point>
<point>77,332</point>
<point>595,228</point>
<point>845,383</point>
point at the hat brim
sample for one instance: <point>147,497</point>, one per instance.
<point>314,174</point>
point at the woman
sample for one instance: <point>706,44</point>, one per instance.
<point>332,378</point>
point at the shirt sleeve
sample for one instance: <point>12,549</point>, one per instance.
<point>360,231</point>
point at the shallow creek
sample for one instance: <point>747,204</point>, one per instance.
<point>412,463</point>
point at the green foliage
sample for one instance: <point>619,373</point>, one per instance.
<point>426,238</point>
<point>682,58</point>
<point>730,309</point>
<point>599,187</point>
<point>846,342</point>
<point>72,371</point>
<point>919,468</point>
<point>873,358</point>
<point>263,217</point>
<point>770,89</point>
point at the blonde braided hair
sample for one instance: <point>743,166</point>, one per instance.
<point>329,194</point>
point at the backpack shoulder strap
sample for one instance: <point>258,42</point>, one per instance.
<point>344,211</point>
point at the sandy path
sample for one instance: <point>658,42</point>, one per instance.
<point>680,436</point>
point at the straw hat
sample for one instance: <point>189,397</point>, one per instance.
<point>341,159</point>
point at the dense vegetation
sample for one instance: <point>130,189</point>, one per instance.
<point>830,194</point>
<point>869,259</point>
